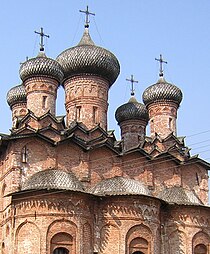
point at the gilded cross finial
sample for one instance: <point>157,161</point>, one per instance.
<point>132,84</point>
<point>87,13</point>
<point>161,64</point>
<point>42,35</point>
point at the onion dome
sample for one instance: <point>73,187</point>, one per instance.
<point>16,94</point>
<point>179,195</point>
<point>131,110</point>
<point>53,179</point>
<point>41,66</point>
<point>88,58</point>
<point>120,186</point>
<point>162,91</point>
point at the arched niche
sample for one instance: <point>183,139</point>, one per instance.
<point>27,239</point>
<point>200,242</point>
<point>60,251</point>
<point>61,243</point>
<point>139,240</point>
<point>200,249</point>
<point>61,234</point>
<point>139,245</point>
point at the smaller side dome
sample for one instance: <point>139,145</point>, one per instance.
<point>162,91</point>
<point>16,94</point>
<point>41,66</point>
<point>131,110</point>
<point>53,179</point>
<point>120,186</point>
<point>179,195</point>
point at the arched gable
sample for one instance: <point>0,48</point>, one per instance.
<point>139,239</point>
<point>200,243</point>
<point>27,238</point>
<point>62,233</point>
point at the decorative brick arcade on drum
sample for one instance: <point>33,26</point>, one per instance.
<point>69,187</point>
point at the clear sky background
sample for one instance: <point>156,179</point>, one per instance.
<point>137,32</point>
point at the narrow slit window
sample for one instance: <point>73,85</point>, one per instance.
<point>78,113</point>
<point>44,102</point>
<point>197,179</point>
<point>24,155</point>
<point>170,123</point>
<point>95,115</point>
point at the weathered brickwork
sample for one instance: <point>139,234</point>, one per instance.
<point>163,118</point>
<point>86,99</point>
<point>41,95</point>
<point>69,187</point>
<point>19,110</point>
<point>45,221</point>
<point>132,133</point>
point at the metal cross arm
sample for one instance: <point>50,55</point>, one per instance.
<point>161,64</point>
<point>42,35</point>
<point>87,13</point>
<point>132,84</point>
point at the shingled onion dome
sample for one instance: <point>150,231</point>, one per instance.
<point>87,58</point>
<point>51,179</point>
<point>120,186</point>
<point>162,91</point>
<point>41,66</point>
<point>16,95</point>
<point>131,110</point>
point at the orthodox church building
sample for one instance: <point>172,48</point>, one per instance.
<point>69,187</point>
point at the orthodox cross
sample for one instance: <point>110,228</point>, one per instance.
<point>161,64</point>
<point>42,35</point>
<point>87,13</point>
<point>132,84</point>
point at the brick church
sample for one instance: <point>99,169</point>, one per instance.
<point>69,187</point>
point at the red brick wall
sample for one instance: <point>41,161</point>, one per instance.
<point>19,110</point>
<point>132,133</point>
<point>86,99</point>
<point>162,118</point>
<point>36,89</point>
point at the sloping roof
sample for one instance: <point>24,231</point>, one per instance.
<point>53,179</point>
<point>180,196</point>
<point>120,186</point>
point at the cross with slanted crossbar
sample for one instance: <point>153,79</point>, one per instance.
<point>161,64</point>
<point>42,35</point>
<point>132,84</point>
<point>87,13</point>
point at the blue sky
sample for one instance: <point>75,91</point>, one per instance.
<point>137,32</point>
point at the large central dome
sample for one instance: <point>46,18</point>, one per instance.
<point>88,58</point>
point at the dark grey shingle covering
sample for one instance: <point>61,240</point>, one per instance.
<point>41,66</point>
<point>16,94</point>
<point>131,110</point>
<point>120,186</point>
<point>162,91</point>
<point>179,195</point>
<point>89,58</point>
<point>53,179</point>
